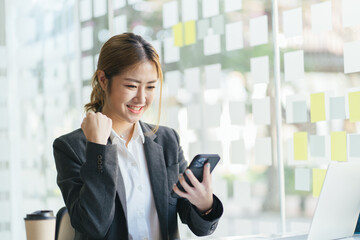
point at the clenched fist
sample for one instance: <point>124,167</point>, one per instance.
<point>96,127</point>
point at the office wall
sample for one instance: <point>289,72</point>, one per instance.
<point>218,58</point>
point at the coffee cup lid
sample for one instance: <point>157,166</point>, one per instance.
<point>40,215</point>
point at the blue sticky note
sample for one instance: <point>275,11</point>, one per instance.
<point>317,146</point>
<point>354,150</point>
<point>300,114</point>
<point>337,108</point>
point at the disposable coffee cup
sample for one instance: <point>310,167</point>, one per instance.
<point>40,225</point>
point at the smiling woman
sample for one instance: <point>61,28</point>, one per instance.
<point>116,173</point>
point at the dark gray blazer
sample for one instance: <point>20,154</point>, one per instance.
<point>94,193</point>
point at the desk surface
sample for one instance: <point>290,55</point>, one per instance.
<point>273,237</point>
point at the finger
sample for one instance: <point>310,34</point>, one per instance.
<point>206,174</point>
<point>184,184</point>
<point>194,181</point>
<point>179,192</point>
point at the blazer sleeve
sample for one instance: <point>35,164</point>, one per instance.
<point>198,224</point>
<point>87,179</point>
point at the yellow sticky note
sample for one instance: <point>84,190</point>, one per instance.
<point>190,32</point>
<point>317,108</point>
<point>178,34</point>
<point>300,146</point>
<point>338,146</point>
<point>354,106</point>
<point>318,180</point>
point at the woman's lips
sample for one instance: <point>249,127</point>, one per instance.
<point>135,109</point>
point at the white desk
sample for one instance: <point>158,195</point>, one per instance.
<point>272,237</point>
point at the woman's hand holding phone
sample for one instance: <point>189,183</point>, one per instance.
<point>201,194</point>
<point>96,127</point>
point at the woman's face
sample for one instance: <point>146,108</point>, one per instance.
<point>132,93</point>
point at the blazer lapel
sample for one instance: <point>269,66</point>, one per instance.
<point>121,188</point>
<point>158,177</point>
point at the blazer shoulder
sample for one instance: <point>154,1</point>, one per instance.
<point>73,138</point>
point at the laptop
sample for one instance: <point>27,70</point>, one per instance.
<point>338,207</point>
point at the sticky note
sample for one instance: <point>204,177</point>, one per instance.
<point>354,145</point>
<point>296,108</point>
<point>258,31</point>
<point>294,65</point>
<point>192,79</point>
<point>260,69</point>
<point>120,24</point>
<point>203,26</point>
<point>212,115</point>
<point>350,13</point>
<point>210,8</point>
<point>300,112</point>
<point>321,17</point>
<point>217,24</point>
<point>172,115</point>
<point>157,45</point>
<point>87,38</point>
<point>85,10</point>
<point>317,107</point>
<point>234,36</point>
<point>301,146</point>
<point>237,113</point>
<point>170,14</point>
<point>237,152</point>
<point>100,7</point>
<point>190,32</point>
<point>337,108</point>
<point>292,23</point>
<point>130,2</point>
<point>194,116</point>
<point>117,4</point>
<point>171,52</point>
<point>263,151</point>
<point>261,110</point>
<point>317,146</point>
<point>318,180</point>
<point>212,45</point>
<point>302,179</point>
<point>242,193</point>
<point>172,81</point>
<point>354,106</point>
<point>178,34</point>
<point>232,5</point>
<point>351,57</point>
<point>189,10</point>
<point>338,146</point>
<point>212,76</point>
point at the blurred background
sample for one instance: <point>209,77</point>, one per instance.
<point>219,93</point>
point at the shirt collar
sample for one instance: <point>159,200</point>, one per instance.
<point>138,132</point>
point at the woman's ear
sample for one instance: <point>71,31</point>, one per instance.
<point>103,81</point>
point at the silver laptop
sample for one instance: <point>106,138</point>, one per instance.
<point>338,207</point>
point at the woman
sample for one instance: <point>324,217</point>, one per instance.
<point>116,173</point>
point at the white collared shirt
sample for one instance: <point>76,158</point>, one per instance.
<point>142,218</point>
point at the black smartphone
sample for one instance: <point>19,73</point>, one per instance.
<point>197,167</point>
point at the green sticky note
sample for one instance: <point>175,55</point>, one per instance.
<point>190,32</point>
<point>317,107</point>
<point>338,146</point>
<point>178,34</point>
<point>354,106</point>
<point>318,180</point>
<point>300,146</point>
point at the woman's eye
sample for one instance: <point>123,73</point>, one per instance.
<point>151,87</point>
<point>131,86</point>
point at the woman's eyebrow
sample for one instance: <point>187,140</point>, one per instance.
<point>138,81</point>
